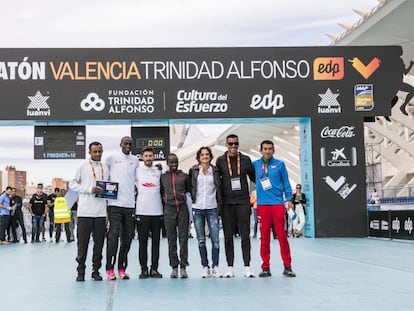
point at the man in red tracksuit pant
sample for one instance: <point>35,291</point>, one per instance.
<point>271,183</point>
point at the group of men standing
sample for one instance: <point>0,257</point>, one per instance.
<point>11,216</point>
<point>147,197</point>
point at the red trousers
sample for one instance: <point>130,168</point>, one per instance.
<point>268,215</point>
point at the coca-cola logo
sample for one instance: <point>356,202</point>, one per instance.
<point>342,132</point>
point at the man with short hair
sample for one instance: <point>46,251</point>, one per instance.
<point>272,186</point>
<point>5,209</point>
<point>149,213</point>
<point>16,203</point>
<point>121,211</point>
<point>235,168</point>
<point>38,210</point>
<point>51,205</point>
<point>91,210</point>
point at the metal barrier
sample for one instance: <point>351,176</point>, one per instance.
<point>393,224</point>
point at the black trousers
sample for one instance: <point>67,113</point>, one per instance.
<point>176,224</point>
<point>87,226</point>
<point>121,223</point>
<point>59,230</point>
<point>236,216</point>
<point>17,218</point>
<point>4,224</point>
<point>147,225</point>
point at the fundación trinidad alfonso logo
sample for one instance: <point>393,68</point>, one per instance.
<point>92,101</point>
<point>365,70</point>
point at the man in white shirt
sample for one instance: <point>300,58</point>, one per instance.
<point>149,213</point>
<point>121,212</point>
<point>91,210</point>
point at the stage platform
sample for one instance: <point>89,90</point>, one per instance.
<point>332,274</point>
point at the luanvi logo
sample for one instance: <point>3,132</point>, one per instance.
<point>38,106</point>
<point>340,186</point>
<point>328,68</point>
<point>329,103</point>
<point>92,101</point>
<point>365,70</point>
<point>339,158</point>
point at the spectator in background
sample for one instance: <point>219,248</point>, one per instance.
<point>61,215</point>
<point>253,202</point>
<point>5,209</point>
<point>50,204</point>
<point>73,220</point>
<point>373,197</point>
<point>17,203</point>
<point>38,210</point>
<point>299,203</point>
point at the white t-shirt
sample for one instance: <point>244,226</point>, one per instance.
<point>122,169</point>
<point>149,196</point>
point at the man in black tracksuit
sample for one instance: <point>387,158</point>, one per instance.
<point>174,186</point>
<point>234,168</point>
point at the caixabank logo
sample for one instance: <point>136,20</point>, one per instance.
<point>338,157</point>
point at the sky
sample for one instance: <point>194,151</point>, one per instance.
<point>154,23</point>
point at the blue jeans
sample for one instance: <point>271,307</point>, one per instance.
<point>37,222</point>
<point>200,218</point>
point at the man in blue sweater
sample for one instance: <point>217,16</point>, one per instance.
<point>272,182</point>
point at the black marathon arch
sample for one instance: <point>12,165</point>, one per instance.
<point>327,90</point>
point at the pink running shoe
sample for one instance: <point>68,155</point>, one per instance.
<point>110,275</point>
<point>123,275</point>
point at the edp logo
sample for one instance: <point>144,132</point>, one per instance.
<point>267,102</point>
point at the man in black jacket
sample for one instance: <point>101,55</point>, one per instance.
<point>234,168</point>
<point>17,218</point>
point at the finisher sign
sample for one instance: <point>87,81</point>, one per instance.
<point>97,84</point>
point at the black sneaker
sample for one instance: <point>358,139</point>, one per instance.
<point>144,274</point>
<point>288,272</point>
<point>80,277</point>
<point>96,276</point>
<point>155,274</point>
<point>265,273</point>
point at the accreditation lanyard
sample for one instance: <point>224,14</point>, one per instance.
<point>235,181</point>
<point>264,180</point>
<point>93,170</point>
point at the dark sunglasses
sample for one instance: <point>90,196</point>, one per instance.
<point>233,144</point>
<point>298,188</point>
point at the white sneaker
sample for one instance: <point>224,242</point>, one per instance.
<point>229,273</point>
<point>248,272</point>
<point>206,272</point>
<point>215,273</point>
